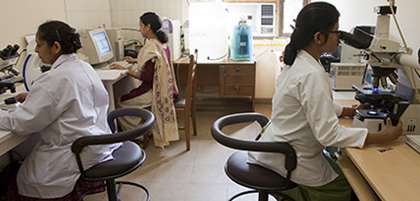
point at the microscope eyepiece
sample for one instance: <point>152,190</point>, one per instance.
<point>9,52</point>
<point>358,39</point>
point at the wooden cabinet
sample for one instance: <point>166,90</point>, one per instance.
<point>233,78</point>
<point>237,80</point>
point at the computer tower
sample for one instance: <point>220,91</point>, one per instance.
<point>173,29</point>
<point>117,43</point>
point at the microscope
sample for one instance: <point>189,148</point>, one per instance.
<point>389,63</point>
<point>8,57</point>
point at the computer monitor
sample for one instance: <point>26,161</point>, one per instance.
<point>96,46</point>
<point>367,77</point>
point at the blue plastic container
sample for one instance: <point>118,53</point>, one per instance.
<point>241,43</point>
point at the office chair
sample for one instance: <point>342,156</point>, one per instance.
<point>185,106</point>
<point>253,176</point>
<point>126,159</point>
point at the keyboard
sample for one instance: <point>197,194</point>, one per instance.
<point>110,74</point>
<point>124,64</point>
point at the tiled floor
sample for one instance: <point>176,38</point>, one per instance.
<point>175,174</point>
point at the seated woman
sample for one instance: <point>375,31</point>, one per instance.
<point>64,104</point>
<point>304,114</point>
<point>158,88</point>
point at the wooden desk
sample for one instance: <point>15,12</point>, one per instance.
<point>8,141</point>
<point>233,78</point>
<point>392,170</point>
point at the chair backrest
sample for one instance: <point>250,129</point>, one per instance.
<point>252,145</point>
<point>142,129</point>
<point>191,80</point>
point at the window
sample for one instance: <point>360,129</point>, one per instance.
<point>285,12</point>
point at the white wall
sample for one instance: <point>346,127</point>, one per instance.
<point>126,13</point>
<point>360,12</point>
<point>88,14</point>
<point>21,17</point>
<point>354,12</point>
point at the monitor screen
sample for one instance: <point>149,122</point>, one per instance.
<point>96,45</point>
<point>367,80</point>
<point>101,42</point>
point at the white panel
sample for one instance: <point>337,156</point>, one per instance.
<point>208,31</point>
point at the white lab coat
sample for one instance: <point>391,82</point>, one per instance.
<point>64,104</point>
<point>304,115</point>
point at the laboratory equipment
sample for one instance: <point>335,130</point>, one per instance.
<point>116,40</point>
<point>173,29</point>
<point>241,42</point>
<point>32,66</point>
<point>8,58</point>
<point>9,104</point>
<point>344,75</point>
<point>96,46</point>
<point>208,31</point>
<point>388,62</point>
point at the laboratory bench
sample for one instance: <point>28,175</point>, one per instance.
<point>8,140</point>
<point>119,81</point>
<point>231,78</point>
<point>388,171</point>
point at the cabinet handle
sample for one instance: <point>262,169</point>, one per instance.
<point>238,69</point>
<point>238,78</point>
<point>237,88</point>
<point>226,74</point>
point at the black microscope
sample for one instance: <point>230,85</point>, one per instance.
<point>8,58</point>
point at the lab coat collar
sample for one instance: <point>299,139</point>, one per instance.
<point>62,58</point>
<point>311,59</point>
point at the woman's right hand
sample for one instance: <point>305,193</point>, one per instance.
<point>21,97</point>
<point>393,132</point>
<point>390,133</point>
<point>117,67</point>
<point>130,59</point>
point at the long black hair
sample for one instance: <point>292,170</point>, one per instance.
<point>57,31</point>
<point>314,17</point>
<point>155,24</point>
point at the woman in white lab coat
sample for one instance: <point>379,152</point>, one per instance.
<point>158,87</point>
<point>64,104</point>
<point>303,111</point>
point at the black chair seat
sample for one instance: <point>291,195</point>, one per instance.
<point>262,180</point>
<point>179,102</point>
<point>126,159</point>
<point>254,176</point>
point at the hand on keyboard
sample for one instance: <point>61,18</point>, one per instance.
<point>120,65</point>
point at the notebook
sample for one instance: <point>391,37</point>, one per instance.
<point>413,141</point>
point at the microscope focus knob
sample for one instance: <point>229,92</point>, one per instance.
<point>394,118</point>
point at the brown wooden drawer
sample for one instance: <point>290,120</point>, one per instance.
<point>239,90</point>
<point>239,79</point>
<point>239,70</point>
